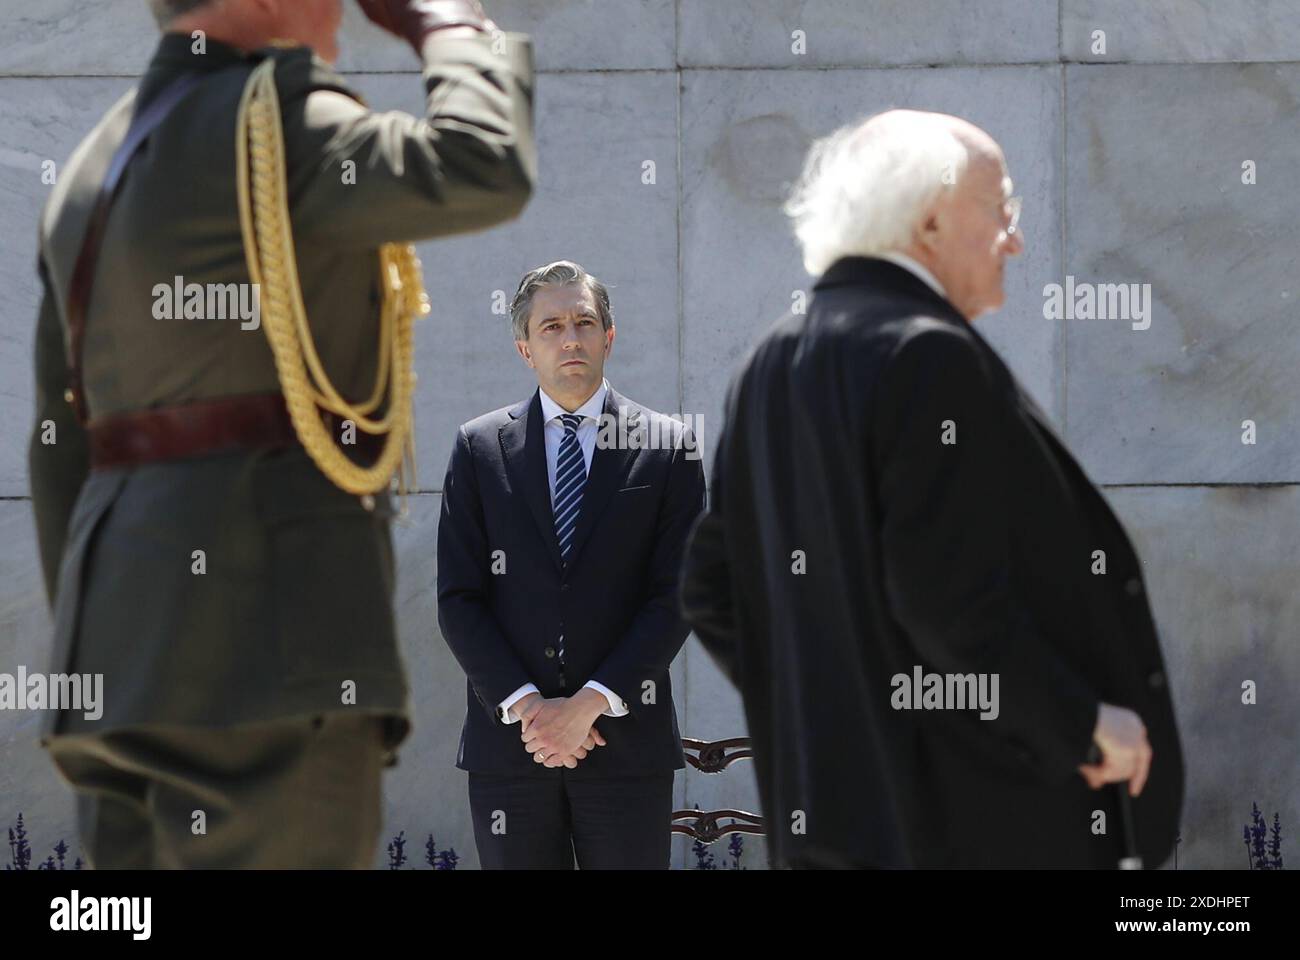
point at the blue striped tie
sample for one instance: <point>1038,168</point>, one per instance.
<point>570,478</point>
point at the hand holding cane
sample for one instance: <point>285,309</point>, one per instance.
<point>1131,860</point>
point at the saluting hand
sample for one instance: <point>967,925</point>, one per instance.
<point>414,20</point>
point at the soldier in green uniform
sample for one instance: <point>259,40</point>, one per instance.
<point>223,394</point>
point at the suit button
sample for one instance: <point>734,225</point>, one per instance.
<point>68,395</point>
<point>1133,586</point>
<point>367,501</point>
<point>1156,680</point>
<point>564,588</point>
<point>550,652</point>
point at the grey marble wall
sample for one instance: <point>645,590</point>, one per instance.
<point>1126,127</point>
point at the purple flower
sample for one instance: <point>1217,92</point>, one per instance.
<point>1275,844</point>
<point>20,851</point>
<point>736,847</point>
<point>397,851</point>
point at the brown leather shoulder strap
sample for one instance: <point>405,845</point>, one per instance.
<point>83,273</point>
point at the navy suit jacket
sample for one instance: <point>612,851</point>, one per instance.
<point>505,598</point>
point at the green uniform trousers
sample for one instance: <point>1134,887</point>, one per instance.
<point>301,792</point>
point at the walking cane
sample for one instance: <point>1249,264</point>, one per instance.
<point>1131,860</point>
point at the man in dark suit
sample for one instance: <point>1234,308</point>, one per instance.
<point>930,611</point>
<point>563,522</point>
<point>235,597</point>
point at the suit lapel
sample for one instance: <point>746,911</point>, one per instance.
<point>608,467</point>
<point>1037,415</point>
<point>523,446</point>
<point>1026,401</point>
<point>1084,485</point>
<point>1069,463</point>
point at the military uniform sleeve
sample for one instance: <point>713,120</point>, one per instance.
<point>58,468</point>
<point>359,178</point>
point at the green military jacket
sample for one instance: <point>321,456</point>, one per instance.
<point>295,603</point>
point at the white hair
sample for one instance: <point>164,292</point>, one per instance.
<point>865,187</point>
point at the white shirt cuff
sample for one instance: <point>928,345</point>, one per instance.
<point>617,705</point>
<point>504,713</point>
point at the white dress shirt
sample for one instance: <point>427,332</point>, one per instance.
<point>554,434</point>
<point>909,263</point>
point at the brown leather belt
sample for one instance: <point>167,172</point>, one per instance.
<point>220,425</point>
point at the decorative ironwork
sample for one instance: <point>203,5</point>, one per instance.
<point>705,825</point>
<point>712,754</point>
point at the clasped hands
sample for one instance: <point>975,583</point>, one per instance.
<point>561,731</point>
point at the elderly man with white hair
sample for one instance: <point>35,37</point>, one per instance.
<point>939,628</point>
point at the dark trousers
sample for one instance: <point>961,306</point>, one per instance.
<point>545,822</point>
<point>293,793</point>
